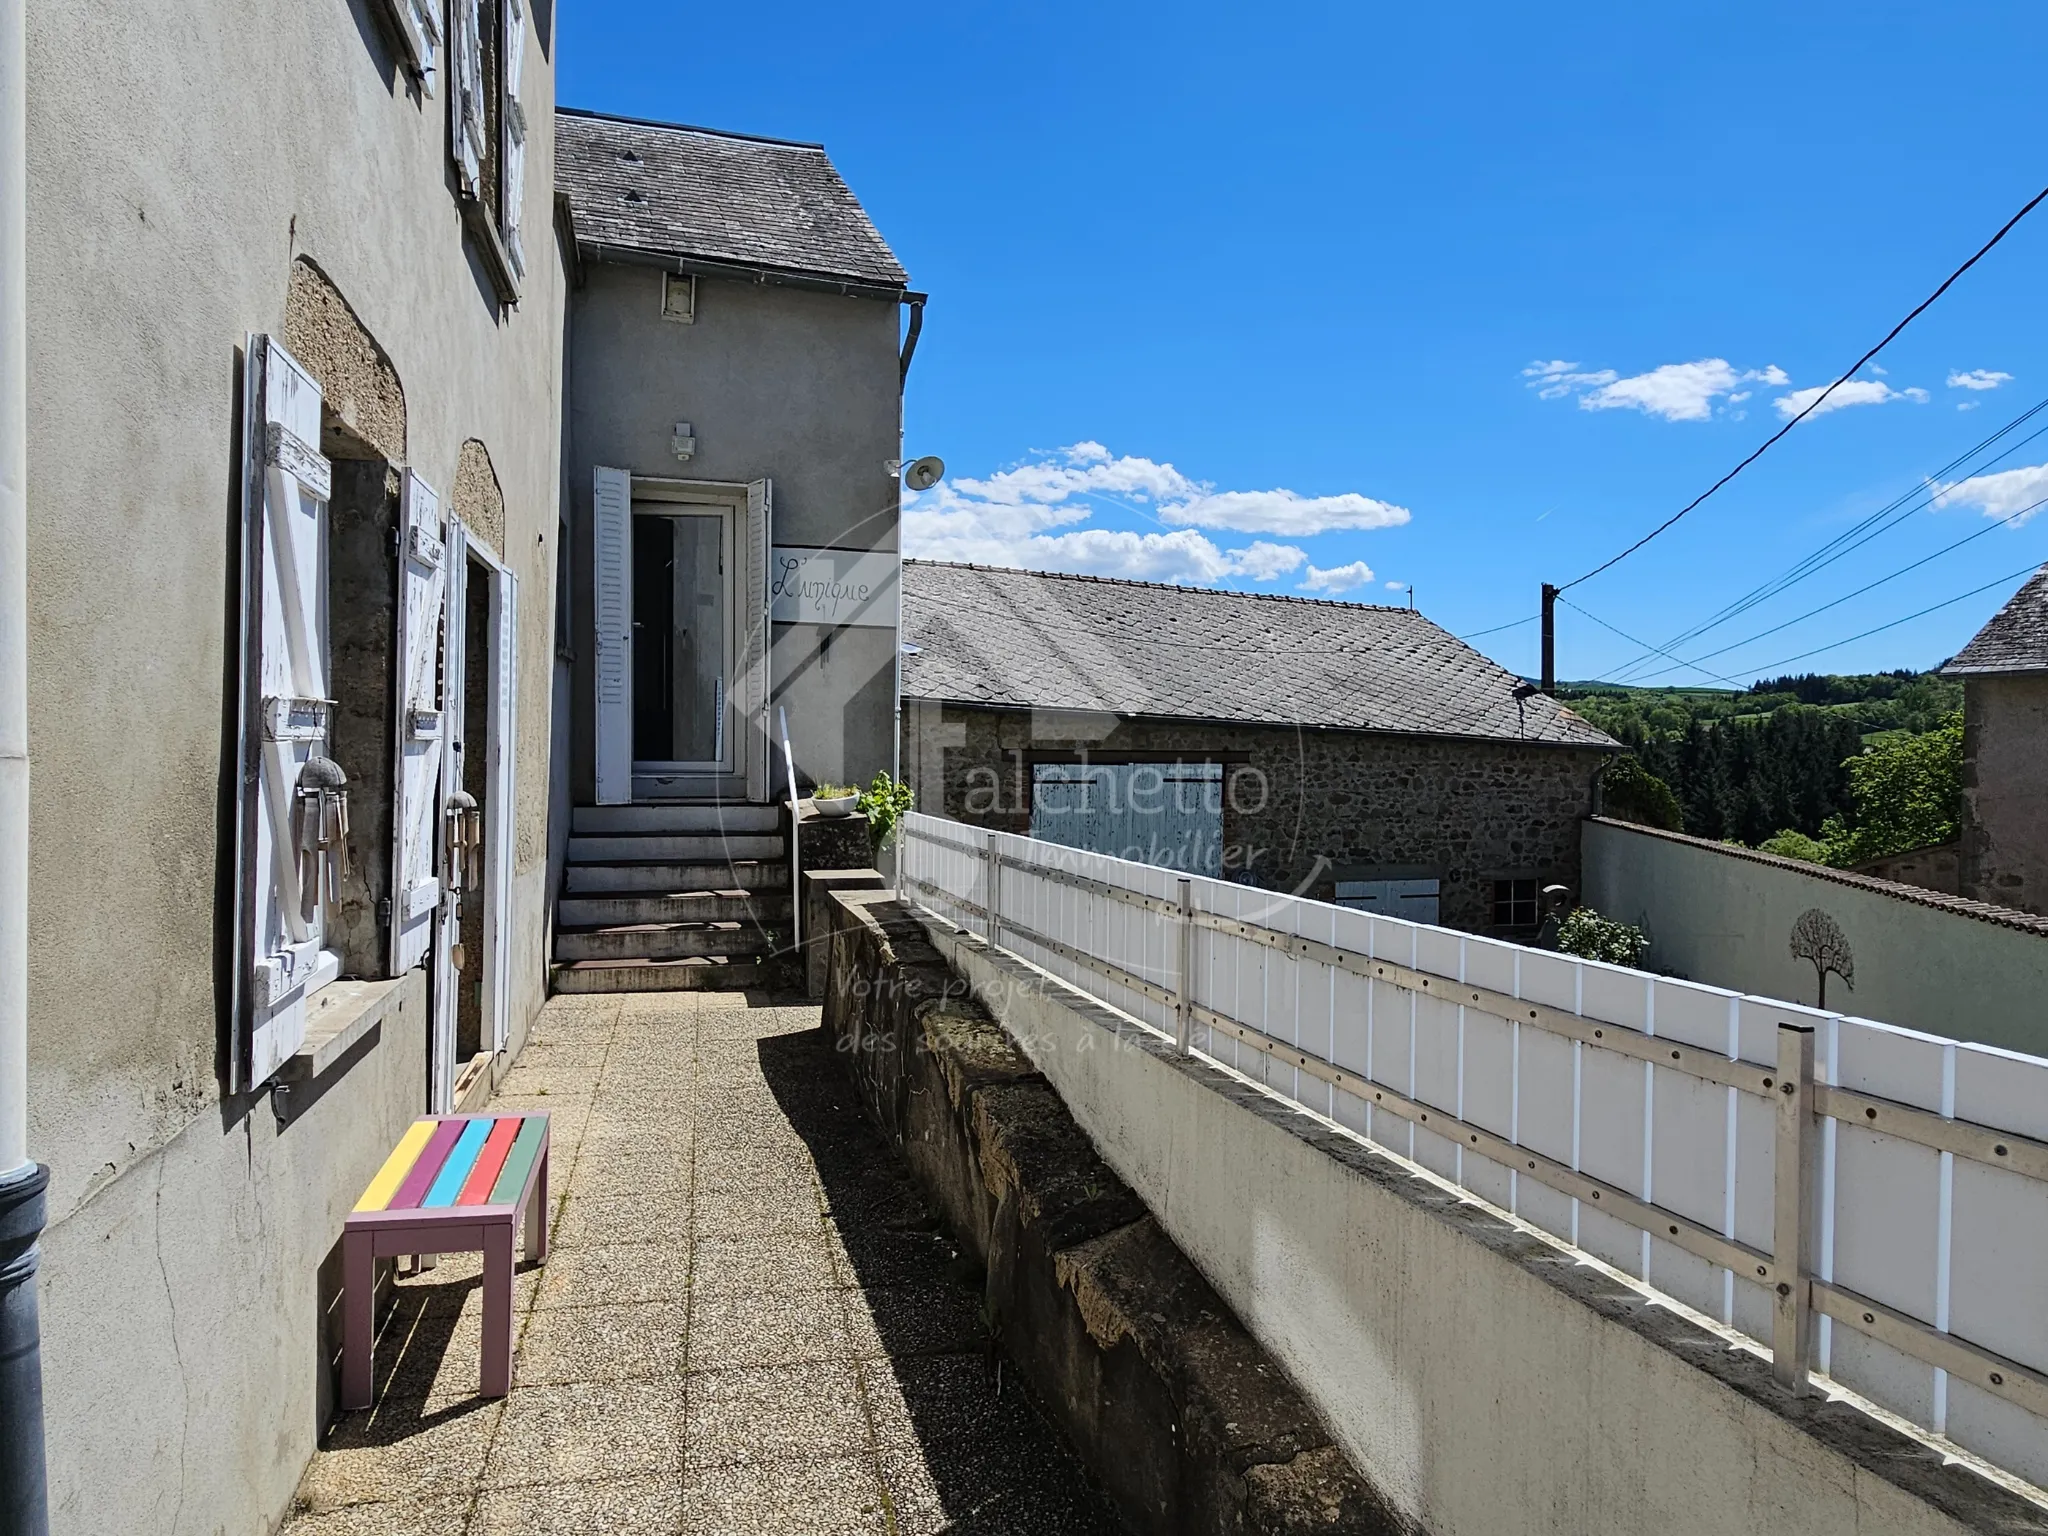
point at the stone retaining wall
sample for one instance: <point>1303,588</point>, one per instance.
<point>1189,1425</point>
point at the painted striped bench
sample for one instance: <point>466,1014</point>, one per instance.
<point>453,1184</point>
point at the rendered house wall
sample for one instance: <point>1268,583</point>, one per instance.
<point>1302,808</point>
<point>777,383</point>
<point>179,162</point>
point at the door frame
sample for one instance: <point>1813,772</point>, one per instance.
<point>500,739</point>
<point>730,507</point>
<point>748,681</point>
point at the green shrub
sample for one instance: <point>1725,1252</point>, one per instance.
<point>1792,844</point>
<point>885,803</point>
<point>1630,792</point>
<point>1592,937</point>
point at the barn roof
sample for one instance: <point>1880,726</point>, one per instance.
<point>1004,638</point>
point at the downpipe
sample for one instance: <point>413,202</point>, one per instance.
<point>24,1500</point>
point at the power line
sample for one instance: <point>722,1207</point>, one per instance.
<point>1632,640</point>
<point>1512,624</point>
<point>2003,522</point>
<point>1815,403</point>
<point>1853,538</point>
<point>1772,666</point>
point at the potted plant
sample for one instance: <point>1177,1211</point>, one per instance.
<point>835,799</point>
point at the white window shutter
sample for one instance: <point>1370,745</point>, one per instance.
<point>611,549</point>
<point>421,723</point>
<point>513,192</point>
<point>466,119</point>
<point>419,37</point>
<point>754,698</point>
<point>288,885</point>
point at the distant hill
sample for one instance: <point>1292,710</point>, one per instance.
<point>1748,764</point>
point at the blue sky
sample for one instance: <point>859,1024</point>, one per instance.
<point>1276,297</point>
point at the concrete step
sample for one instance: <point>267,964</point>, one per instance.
<point>674,879</point>
<point>694,975</point>
<point>676,848</point>
<point>664,941</point>
<point>678,907</point>
<point>621,820</point>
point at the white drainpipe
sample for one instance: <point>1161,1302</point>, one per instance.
<point>23,1504</point>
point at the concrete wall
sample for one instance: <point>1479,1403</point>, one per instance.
<point>1479,1378</point>
<point>1302,808</point>
<point>2005,803</point>
<point>1724,917</point>
<point>180,160</point>
<point>783,384</point>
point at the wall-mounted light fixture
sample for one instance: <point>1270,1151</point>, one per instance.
<point>684,442</point>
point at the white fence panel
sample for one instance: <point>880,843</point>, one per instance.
<point>1635,1117</point>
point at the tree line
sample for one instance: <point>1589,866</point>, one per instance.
<point>1835,769</point>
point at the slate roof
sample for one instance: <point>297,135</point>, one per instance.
<point>2016,639</point>
<point>670,190</point>
<point>1030,639</point>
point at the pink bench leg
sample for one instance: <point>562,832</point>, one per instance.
<point>497,1372</point>
<point>537,1211</point>
<point>358,1319</point>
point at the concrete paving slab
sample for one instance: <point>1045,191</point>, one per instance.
<point>621,1274</point>
<point>615,1343</point>
<point>833,1496</point>
<point>812,1408</point>
<point>602,1221</point>
<point>588,1430</point>
<point>743,1328</point>
<point>630,1506</point>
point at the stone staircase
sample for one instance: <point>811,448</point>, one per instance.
<point>667,898</point>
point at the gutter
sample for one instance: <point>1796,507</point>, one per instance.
<point>24,1503</point>
<point>743,272</point>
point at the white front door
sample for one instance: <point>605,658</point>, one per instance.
<point>680,615</point>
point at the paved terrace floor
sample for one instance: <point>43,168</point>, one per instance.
<point>748,1323</point>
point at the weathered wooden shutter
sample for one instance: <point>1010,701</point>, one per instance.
<point>419,38</point>
<point>611,544</point>
<point>446,975</point>
<point>501,787</point>
<point>286,889</point>
<point>754,684</point>
<point>467,122</point>
<point>420,737</point>
<point>512,193</point>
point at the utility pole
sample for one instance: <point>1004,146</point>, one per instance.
<point>1550,639</point>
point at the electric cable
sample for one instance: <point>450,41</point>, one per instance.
<point>1848,541</point>
<point>1950,602</point>
<point>1815,403</point>
<point>1632,640</point>
<point>2016,517</point>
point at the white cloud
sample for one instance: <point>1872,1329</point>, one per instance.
<point>1855,392</point>
<point>1977,378</point>
<point>1026,516</point>
<point>1342,578</point>
<point>1056,487</point>
<point>2004,494</point>
<point>1397,586</point>
<point>1673,391</point>
<point>1968,405</point>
